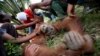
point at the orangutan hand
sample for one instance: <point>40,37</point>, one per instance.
<point>74,40</point>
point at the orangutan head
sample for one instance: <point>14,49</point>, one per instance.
<point>47,29</point>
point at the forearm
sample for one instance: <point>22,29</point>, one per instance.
<point>26,25</point>
<point>40,5</point>
<point>23,39</point>
<point>70,9</point>
<point>26,38</point>
<point>19,40</point>
<point>58,25</point>
<point>45,8</point>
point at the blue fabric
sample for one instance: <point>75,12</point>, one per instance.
<point>30,30</point>
<point>1,32</point>
<point>2,49</point>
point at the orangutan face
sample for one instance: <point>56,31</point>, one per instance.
<point>48,29</point>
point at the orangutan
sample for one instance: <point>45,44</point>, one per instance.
<point>74,43</point>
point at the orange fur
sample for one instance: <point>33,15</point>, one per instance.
<point>72,23</point>
<point>39,49</point>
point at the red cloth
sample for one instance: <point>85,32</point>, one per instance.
<point>29,14</point>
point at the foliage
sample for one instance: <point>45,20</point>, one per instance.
<point>91,23</point>
<point>13,49</point>
<point>12,7</point>
<point>97,49</point>
<point>92,5</point>
<point>54,40</point>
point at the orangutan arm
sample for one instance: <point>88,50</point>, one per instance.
<point>58,25</point>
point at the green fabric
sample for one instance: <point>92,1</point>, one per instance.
<point>59,8</point>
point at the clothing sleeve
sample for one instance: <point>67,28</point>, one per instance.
<point>10,29</point>
<point>72,1</point>
<point>1,32</point>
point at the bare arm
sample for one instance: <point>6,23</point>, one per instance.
<point>43,5</point>
<point>18,40</point>
<point>70,10</point>
<point>21,39</point>
<point>18,27</point>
